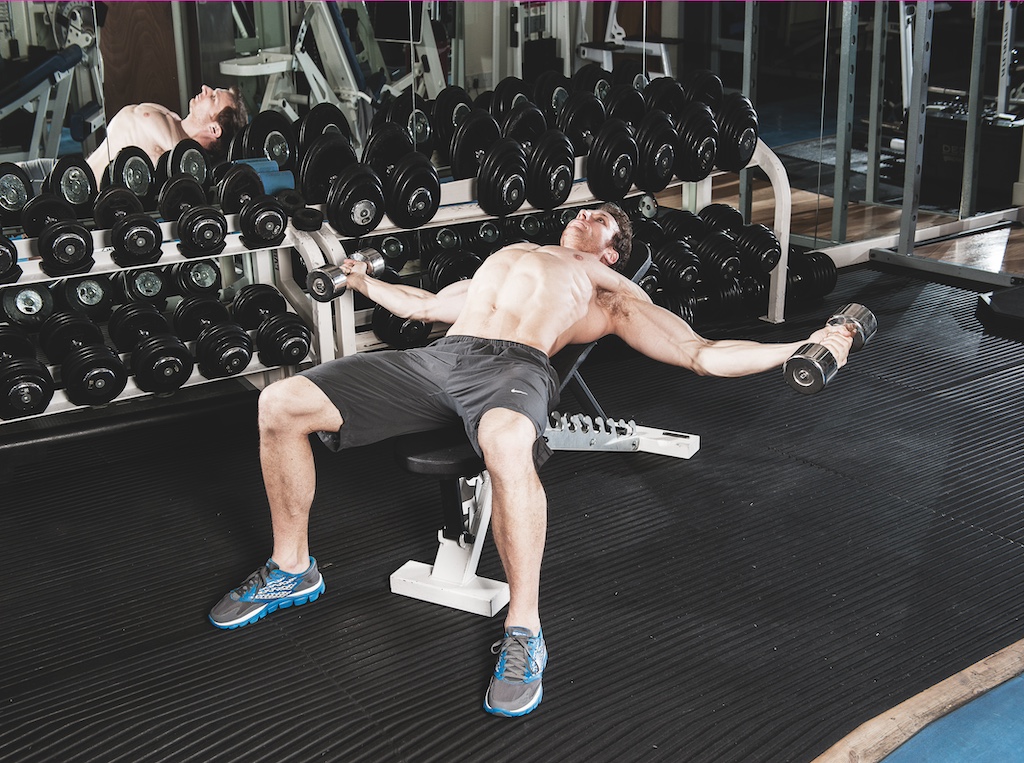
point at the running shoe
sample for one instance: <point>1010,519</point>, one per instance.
<point>266,590</point>
<point>515,687</point>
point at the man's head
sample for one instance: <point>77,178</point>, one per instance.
<point>214,116</point>
<point>605,231</point>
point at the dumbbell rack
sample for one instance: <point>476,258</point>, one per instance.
<point>258,266</point>
<point>336,325</point>
<point>458,205</point>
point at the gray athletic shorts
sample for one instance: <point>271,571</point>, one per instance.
<point>384,394</point>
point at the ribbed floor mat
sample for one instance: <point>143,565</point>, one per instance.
<point>818,561</point>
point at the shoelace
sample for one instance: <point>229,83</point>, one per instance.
<point>515,658</point>
<point>255,580</point>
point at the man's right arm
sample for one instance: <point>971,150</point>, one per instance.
<point>408,301</point>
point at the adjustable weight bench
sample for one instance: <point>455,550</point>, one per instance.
<point>45,90</point>
<point>466,490</point>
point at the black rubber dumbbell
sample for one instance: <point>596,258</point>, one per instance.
<point>196,278</point>
<point>27,305</point>
<point>812,366</point>
<point>91,295</point>
<point>223,348</point>
<point>152,285</point>
<point>262,222</point>
<point>10,270</point>
<point>282,338</point>
<point>202,229</point>
<point>160,361</point>
<point>328,282</point>
<point>26,386</point>
<point>64,245</point>
<point>91,372</point>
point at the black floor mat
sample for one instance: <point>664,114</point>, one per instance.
<point>818,561</point>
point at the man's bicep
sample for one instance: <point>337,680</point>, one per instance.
<point>448,303</point>
<point>659,334</point>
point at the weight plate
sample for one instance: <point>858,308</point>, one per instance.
<point>15,343</point>
<point>524,123</point>
<point>702,85</point>
<point>355,203</point>
<point>551,171</point>
<point>698,143</point>
<point>451,106</point>
<point>475,135</point>
<point>666,94</point>
<point>738,132</point>
<point>144,285</point>
<point>72,180</point>
<point>43,210</point>
<point>291,200</point>
<point>63,332</point>
<point>179,194</point>
<point>91,296</point>
<point>27,305</point>
<point>113,203</point>
<point>308,219</point>
<point>65,247</point>
<point>189,158</point>
<point>161,364</point>
<point>323,119</point>
<point>10,271</point>
<point>580,118</point>
<point>326,157</point>
<point>550,93</point>
<point>283,340</point>
<point>136,240</point>
<point>239,184</point>
<point>202,232</point>
<point>270,135</point>
<point>223,350</point>
<point>256,302</point>
<point>133,169</point>
<point>93,375</point>
<point>508,93</point>
<point>592,78</point>
<point>386,145</point>
<point>197,278</point>
<point>15,190</point>
<point>193,314</point>
<point>262,222</point>
<point>413,191</point>
<point>630,71</point>
<point>410,112</point>
<point>501,183</point>
<point>130,324</point>
<point>26,388</point>
<point>626,103</point>
<point>656,141</point>
<point>612,161</point>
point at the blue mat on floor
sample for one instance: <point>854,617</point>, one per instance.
<point>988,730</point>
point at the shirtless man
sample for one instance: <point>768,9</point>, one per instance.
<point>491,370</point>
<point>214,116</point>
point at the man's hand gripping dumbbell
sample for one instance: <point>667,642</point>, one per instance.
<point>331,281</point>
<point>814,364</point>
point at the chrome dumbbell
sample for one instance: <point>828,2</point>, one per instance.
<point>327,282</point>
<point>812,366</point>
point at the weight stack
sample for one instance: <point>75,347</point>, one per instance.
<point>945,138</point>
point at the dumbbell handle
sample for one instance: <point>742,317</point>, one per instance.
<point>812,366</point>
<point>330,281</point>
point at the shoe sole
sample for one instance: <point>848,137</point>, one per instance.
<point>271,607</point>
<point>515,713</point>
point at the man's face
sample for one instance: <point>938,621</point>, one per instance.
<point>592,230</point>
<point>208,103</point>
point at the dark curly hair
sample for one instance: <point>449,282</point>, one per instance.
<point>231,120</point>
<point>623,240</point>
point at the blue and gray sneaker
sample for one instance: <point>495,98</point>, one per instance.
<point>516,684</point>
<point>264,591</point>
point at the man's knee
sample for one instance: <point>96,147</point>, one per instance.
<point>296,404</point>
<point>506,437</point>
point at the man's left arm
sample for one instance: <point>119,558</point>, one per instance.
<point>664,336</point>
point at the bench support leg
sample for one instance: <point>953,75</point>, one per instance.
<point>452,580</point>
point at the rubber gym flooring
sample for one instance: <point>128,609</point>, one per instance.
<point>819,560</point>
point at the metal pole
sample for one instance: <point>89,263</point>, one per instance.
<point>752,13</point>
<point>914,152</point>
<point>875,115</point>
<point>972,146</point>
<point>844,118</point>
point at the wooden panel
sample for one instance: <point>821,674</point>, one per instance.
<point>139,64</point>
